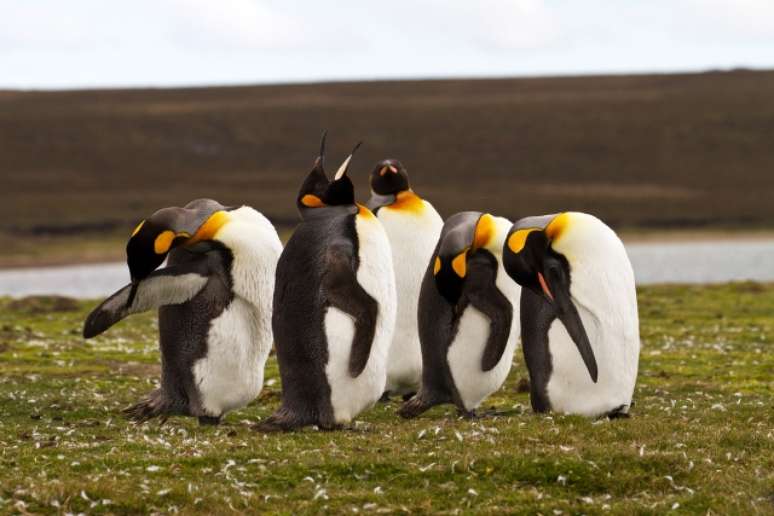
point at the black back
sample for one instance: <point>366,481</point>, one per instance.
<point>299,311</point>
<point>439,322</point>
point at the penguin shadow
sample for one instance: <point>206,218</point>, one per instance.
<point>267,427</point>
<point>413,407</point>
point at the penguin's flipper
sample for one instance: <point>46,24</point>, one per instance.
<point>488,299</point>
<point>343,291</point>
<point>168,286</point>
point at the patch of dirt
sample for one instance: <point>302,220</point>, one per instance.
<point>749,286</point>
<point>35,305</point>
<point>135,369</point>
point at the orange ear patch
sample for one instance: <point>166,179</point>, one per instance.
<point>409,202</point>
<point>163,242</point>
<point>518,239</point>
<point>312,201</point>
<point>460,264</point>
<point>436,266</point>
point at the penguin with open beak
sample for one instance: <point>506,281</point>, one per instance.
<point>468,316</point>
<point>579,319</point>
<point>214,305</point>
<point>334,306</point>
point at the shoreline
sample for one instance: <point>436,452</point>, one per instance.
<point>91,250</point>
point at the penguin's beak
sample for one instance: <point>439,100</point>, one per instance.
<point>557,291</point>
<point>342,171</point>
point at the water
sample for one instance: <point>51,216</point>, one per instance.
<point>706,261</point>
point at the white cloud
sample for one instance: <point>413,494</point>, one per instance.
<point>515,24</point>
<point>55,43</point>
<point>235,25</point>
<point>738,20</point>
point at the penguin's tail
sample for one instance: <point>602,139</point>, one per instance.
<point>156,405</point>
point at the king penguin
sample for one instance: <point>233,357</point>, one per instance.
<point>334,307</point>
<point>413,227</point>
<point>467,316</point>
<point>214,305</point>
<point>580,327</point>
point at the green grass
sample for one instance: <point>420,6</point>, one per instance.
<point>701,439</point>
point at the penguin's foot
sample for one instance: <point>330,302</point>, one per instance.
<point>414,407</point>
<point>621,412</point>
<point>155,405</point>
<point>408,396</point>
<point>283,420</point>
<point>467,414</point>
<point>385,397</point>
<point>209,421</point>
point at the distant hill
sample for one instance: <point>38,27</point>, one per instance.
<point>639,151</point>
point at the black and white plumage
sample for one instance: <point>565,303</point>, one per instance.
<point>580,324</point>
<point>468,316</point>
<point>214,303</point>
<point>334,307</point>
<point>413,227</point>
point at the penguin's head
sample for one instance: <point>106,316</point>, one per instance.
<point>531,258</point>
<point>389,178</point>
<point>318,191</point>
<point>464,235</point>
<point>153,238</point>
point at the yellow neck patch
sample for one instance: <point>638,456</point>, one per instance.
<point>407,201</point>
<point>558,224</point>
<point>460,264</point>
<point>312,201</point>
<point>484,231</point>
<point>210,228</point>
<point>518,239</point>
<point>363,211</point>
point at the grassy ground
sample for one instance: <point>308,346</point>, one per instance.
<point>701,439</point>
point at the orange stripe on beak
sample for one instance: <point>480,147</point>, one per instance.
<point>543,284</point>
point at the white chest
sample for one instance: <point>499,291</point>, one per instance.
<point>231,374</point>
<point>350,396</point>
<point>239,339</point>
<point>413,237</point>
<point>466,351</point>
<point>616,350</point>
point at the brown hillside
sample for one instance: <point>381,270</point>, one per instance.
<point>660,150</point>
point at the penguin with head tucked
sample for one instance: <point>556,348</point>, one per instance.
<point>468,323</point>
<point>334,307</point>
<point>413,226</point>
<point>580,326</point>
<point>214,305</point>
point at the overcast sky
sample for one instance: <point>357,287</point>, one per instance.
<point>96,43</point>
